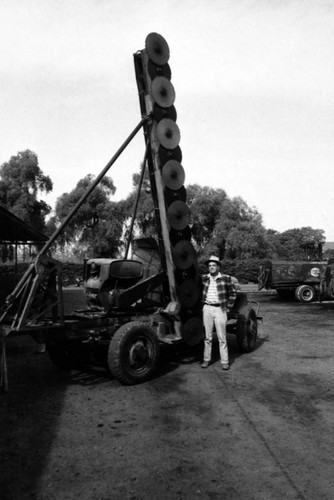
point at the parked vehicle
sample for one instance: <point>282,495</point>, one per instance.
<point>141,300</point>
<point>304,280</point>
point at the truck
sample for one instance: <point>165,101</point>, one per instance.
<point>305,280</point>
<point>151,294</point>
<point>125,325</point>
<point>102,294</point>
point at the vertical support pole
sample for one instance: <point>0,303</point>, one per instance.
<point>155,178</point>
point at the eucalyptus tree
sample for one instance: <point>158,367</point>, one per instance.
<point>21,184</point>
<point>96,228</point>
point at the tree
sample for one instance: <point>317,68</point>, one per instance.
<point>288,244</point>
<point>246,241</point>
<point>96,229</point>
<point>240,232</point>
<point>224,226</point>
<point>274,248</point>
<point>206,208</point>
<point>145,222</point>
<point>329,254</point>
<point>21,181</point>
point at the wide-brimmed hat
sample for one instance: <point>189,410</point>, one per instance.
<point>214,259</point>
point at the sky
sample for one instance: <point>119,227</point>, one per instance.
<point>254,83</point>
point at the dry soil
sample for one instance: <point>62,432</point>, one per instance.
<point>263,430</point>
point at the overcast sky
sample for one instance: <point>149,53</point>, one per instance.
<point>254,84</point>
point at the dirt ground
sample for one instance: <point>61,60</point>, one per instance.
<point>263,430</point>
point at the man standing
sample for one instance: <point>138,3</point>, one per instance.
<point>218,293</point>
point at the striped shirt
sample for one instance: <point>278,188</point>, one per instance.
<point>212,293</point>
<point>225,292</point>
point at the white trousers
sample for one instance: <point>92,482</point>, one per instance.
<point>215,316</point>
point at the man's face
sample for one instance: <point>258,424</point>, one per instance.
<point>213,268</point>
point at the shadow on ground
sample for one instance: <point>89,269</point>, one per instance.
<point>29,414</point>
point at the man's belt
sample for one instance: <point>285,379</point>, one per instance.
<point>214,305</point>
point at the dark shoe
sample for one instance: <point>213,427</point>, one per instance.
<point>225,366</point>
<point>205,364</point>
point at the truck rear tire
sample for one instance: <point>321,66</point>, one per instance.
<point>246,330</point>
<point>305,293</point>
<point>133,353</point>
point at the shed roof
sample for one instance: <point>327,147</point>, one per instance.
<point>14,230</point>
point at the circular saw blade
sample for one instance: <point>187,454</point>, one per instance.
<point>173,174</point>
<point>169,154</point>
<point>184,274</point>
<point>184,254</point>
<point>177,235</point>
<point>155,70</point>
<point>168,133</point>
<point>178,215</point>
<point>157,48</point>
<point>163,92</point>
<point>171,195</point>
<point>192,331</point>
<point>188,293</point>
<point>159,113</point>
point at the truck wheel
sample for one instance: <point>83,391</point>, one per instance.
<point>133,353</point>
<point>305,293</point>
<point>246,330</point>
<point>69,354</point>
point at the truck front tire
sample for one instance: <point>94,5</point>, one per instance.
<point>133,353</point>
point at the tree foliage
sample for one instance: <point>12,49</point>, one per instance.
<point>220,225</point>
<point>225,226</point>
<point>96,228</point>
<point>21,182</point>
<point>329,254</point>
<point>145,222</point>
<point>288,245</point>
<point>206,209</point>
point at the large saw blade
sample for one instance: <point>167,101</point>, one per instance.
<point>168,133</point>
<point>155,70</point>
<point>163,92</point>
<point>173,174</point>
<point>184,254</point>
<point>159,113</point>
<point>157,48</point>
<point>178,215</point>
<point>192,331</point>
<point>171,195</point>
<point>169,154</point>
<point>189,293</point>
